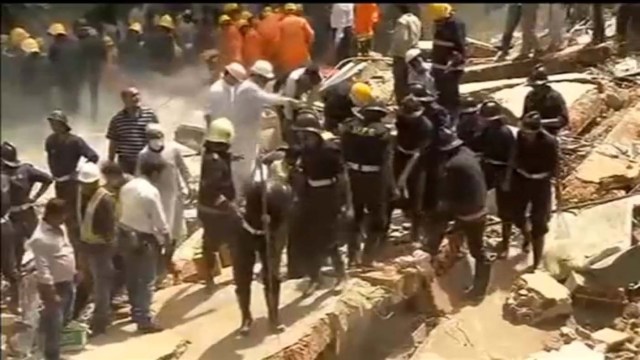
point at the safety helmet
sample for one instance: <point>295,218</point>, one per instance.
<point>439,11</point>
<point>242,23</point>
<point>411,107</point>
<point>361,92</point>
<point>262,68</point>
<point>448,139</point>
<point>9,154</point>
<point>266,11</point>
<point>412,54</point>
<point>167,22</point>
<point>17,36</point>
<point>154,130</point>
<point>136,26</point>
<point>246,15</point>
<point>224,19</point>
<point>237,71</point>
<point>57,29</point>
<point>221,130</point>
<point>374,109</point>
<point>290,8</point>
<point>59,116</point>
<point>29,46</point>
<point>490,110</point>
<point>88,173</point>
<point>532,121</point>
<point>227,8</point>
<point>538,76</point>
<point>421,92</point>
<point>306,120</point>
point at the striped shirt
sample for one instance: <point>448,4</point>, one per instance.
<point>128,131</point>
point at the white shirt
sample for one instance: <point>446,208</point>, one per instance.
<point>221,100</point>
<point>341,16</point>
<point>424,78</point>
<point>54,257</point>
<point>142,208</point>
<point>406,34</point>
<point>290,88</point>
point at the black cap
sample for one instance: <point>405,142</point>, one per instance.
<point>60,116</point>
<point>538,76</point>
<point>306,119</point>
<point>490,110</point>
<point>449,140</point>
<point>421,92</point>
<point>411,107</point>
<point>9,154</point>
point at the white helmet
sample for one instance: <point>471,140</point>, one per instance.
<point>237,71</point>
<point>412,54</point>
<point>263,68</point>
<point>88,172</point>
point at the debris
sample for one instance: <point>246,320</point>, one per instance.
<point>536,297</point>
<point>611,338</point>
<point>575,350</point>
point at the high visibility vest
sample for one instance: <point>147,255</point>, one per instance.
<point>86,228</point>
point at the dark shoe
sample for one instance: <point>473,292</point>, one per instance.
<point>245,327</point>
<point>210,286</point>
<point>150,328</point>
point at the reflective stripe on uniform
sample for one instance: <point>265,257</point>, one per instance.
<point>251,229</point>
<point>538,176</point>
<point>363,168</point>
<point>86,228</point>
<point>321,182</point>
<point>494,162</point>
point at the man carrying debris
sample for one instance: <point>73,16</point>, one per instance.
<point>340,100</point>
<point>320,200</point>
<point>170,185</point>
<point>222,94</point>
<point>366,148</point>
<point>418,69</point>
<point>216,197</point>
<point>495,144</point>
<point>448,56</point>
<point>462,199</point>
<point>406,35</point>
<point>66,58</point>
<point>263,231</point>
<point>533,165</point>
<point>549,103</point>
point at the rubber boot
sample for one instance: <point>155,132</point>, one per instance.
<point>538,247</point>
<point>273,302</point>
<point>503,248</point>
<point>244,301</point>
<point>477,290</point>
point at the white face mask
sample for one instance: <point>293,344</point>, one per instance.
<point>156,144</point>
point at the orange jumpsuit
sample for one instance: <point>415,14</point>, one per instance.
<point>296,38</point>
<point>269,29</point>
<point>365,18</point>
<point>252,47</point>
<point>230,45</point>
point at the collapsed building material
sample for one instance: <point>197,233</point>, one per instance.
<point>575,350</point>
<point>610,338</point>
<point>536,297</point>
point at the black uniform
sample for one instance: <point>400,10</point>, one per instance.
<point>469,127</point>
<point>252,239</point>
<point>219,221</point>
<point>9,241</point>
<point>160,48</point>
<point>131,53</point>
<point>449,42</point>
<point>337,105</point>
<point>431,161</point>
<point>550,104</point>
<point>35,78</point>
<point>366,146</point>
<point>65,58</point>
<point>94,58</point>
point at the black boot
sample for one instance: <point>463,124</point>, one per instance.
<point>538,247</point>
<point>273,302</point>
<point>503,248</point>
<point>477,290</point>
<point>244,301</point>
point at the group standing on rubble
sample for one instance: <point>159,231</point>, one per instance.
<point>344,164</point>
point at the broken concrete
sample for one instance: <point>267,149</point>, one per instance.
<point>575,350</point>
<point>537,297</point>
<point>610,338</point>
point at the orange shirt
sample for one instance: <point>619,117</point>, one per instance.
<point>269,29</point>
<point>297,36</point>
<point>252,47</point>
<point>365,18</point>
<point>230,47</point>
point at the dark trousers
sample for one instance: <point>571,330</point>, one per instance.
<point>514,13</point>
<point>410,201</point>
<point>536,193</point>
<point>68,191</point>
<point>9,241</point>
<point>364,46</point>
<point>400,78</point>
<point>93,81</point>
<point>218,228</point>
<point>128,165</point>
<point>448,86</point>
<point>343,48</point>
<point>54,318</point>
<point>98,281</point>
<point>70,93</point>
<point>244,250</point>
<point>24,223</point>
<point>494,176</point>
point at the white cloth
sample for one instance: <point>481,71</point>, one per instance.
<point>341,18</point>
<point>406,34</point>
<point>169,184</point>
<point>221,100</point>
<point>53,254</point>
<point>424,78</point>
<point>141,207</point>
<point>290,88</point>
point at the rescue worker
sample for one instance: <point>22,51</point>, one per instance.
<point>9,242</point>
<point>169,184</point>
<point>205,38</point>
<point>94,57</point>
<point>448,56</point>
<point>302,83</point>
<point>233,10</point>
<point>216,198</point>
<point>252,47</point>
<point>269,29</point>
<point>528,27</point>
<point>340,100</point>
<point>462,199</point>
<point>222,93</point>
<point>229,42</point>
<point>23,177</point>
<point>496,143</point>
<point>366,148</point>
<point>406,35</point>
<point>514,14</point>
<point>66,58</point>
<point>186,35</point>
<point>366,17</point>
<point>297,38</point>
<point>549,103</point>
<point>12,56</point>
<point>64,151</point>
<point>320,201</point>
<point>418,70</point>
<point>414,135</point>
<point>263,231</point>
<point>97,241</point>
<point>35,75</point>
<point>341,21</point>
<point>534,165</point>
<point>470,123</point>
<point>161,46</point>
<point>131,51</point>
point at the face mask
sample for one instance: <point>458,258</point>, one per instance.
<point>156,144</point>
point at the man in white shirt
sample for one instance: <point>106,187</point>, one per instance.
<point>222,93</point>
<point>406,35</point>
<point>145,231</point>
<point>55,272</point>
<point>419,71</point>
<point>303,81</point>
<point>342,29</point>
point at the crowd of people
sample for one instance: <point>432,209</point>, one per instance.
<point>115,227</point>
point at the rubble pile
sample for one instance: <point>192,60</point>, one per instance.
<point>536,297</point>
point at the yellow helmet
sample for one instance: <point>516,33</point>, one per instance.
<point>439,11</point>
<point>299,9</point>
<point>361,93</point>
<point>224,19</point>
<point>29,46</point>
<point>266,11</point>
<point>290,8</point>
<point>136,26</point>
<point>227,8</point>
<point>246,15</point>
<point>17,36</point>
<point>57,29</point>
<point>166,21</point>
<point>221,130</point>
<point>242,23</point>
